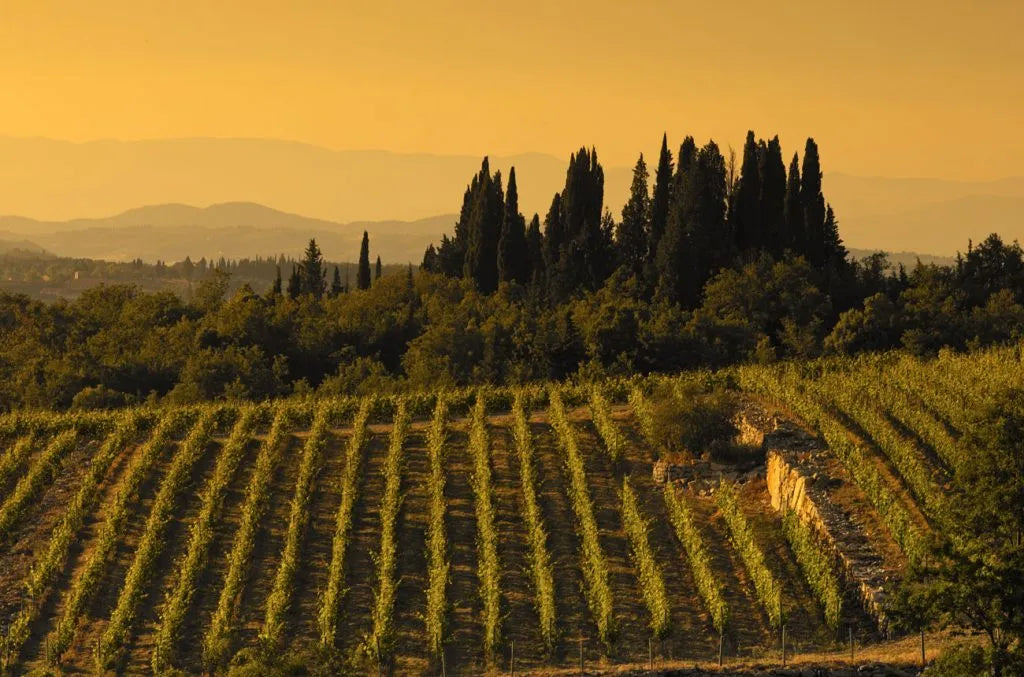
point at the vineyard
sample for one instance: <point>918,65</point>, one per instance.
<point>462,530</point>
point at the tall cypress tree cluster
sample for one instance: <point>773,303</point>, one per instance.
<point>698,217</point>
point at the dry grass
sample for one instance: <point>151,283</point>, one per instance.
<point>905,652</point>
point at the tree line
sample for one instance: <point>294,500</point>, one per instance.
<point>703,215</point>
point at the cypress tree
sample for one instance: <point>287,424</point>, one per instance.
<point>813,203</point>
<point>585,259</point>
<point>794,210</point>
<point>336,282</point>
<point>363,274</point>
<point>483,230</point>
<point>513,258</point>
<point>294,283</point>
<point>554,234</point>
<point>835,251</point>
<point>662,196</point>
<point>535,252</point>
<point>709,239</point>
<point>670,259</point>
<point>745,212</point>
<point>378,270</point>
<point>431,261</point>
<point>275,290</point>
<point>773,197</point>
<point>632,238</point>
<point>313,271</point>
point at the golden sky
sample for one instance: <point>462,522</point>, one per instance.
<point>887,88</point>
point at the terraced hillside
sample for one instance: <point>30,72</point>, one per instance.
<point>458,530</point>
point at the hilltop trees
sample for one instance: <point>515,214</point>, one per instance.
<point>699,216</point>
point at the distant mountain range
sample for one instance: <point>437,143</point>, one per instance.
<point>243,229</point>
<point>58,182</point>
<point>232,230</point>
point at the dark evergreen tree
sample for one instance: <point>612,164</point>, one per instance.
<point>378,270</point>
<point>450,257</point>
<point>773,198</point>
<point>483,229</point>
<point>670,259</point>
<point>363,275</point>
<point>313,272</point>
<point>513,258</point>
<point>554,234</point>
<point>295,283</point>
<point>336,287</point>
<point>632,238</point>
<point>275,290</point>
<point>585,257</point>
<point>535,252</point>
<point>835,251</point>
<point>813,203</point>
<point>431,261</point>
<point>745,211</point>
<point>710,243</point>
<point>662,196</point>
<point>794,210</point>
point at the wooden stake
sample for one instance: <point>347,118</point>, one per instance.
<point>922,648</point>
<point>721,638</point>
<point>650,654</point>
<point>851,644</point>
<point>783,645</point>
<point>581,654</point>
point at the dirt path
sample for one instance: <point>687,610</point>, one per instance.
<point>361,570</point>
<point>315,553</point>
<point>410,654</point>
<point>465,643</point>
<point>521,624</point>
<point>208,586</point>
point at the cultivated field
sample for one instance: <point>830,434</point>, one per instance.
<point>453,530</point>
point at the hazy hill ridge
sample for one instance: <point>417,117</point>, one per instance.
<point>232,230</point>
<point>60,182</point>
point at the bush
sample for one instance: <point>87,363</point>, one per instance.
<point>690,421</point>
<point>100,397</point>
<point>960,660</point>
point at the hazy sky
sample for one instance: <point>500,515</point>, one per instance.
<point>889,88</point>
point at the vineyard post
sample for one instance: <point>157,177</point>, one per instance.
<point>444,669</point>
<point>721,637</point>
<point>650,654</point>
<point>851,644</point>
<point>783,645</point>
<point>922,648</point>
<point>512,660</point>
<point>581,653</point>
